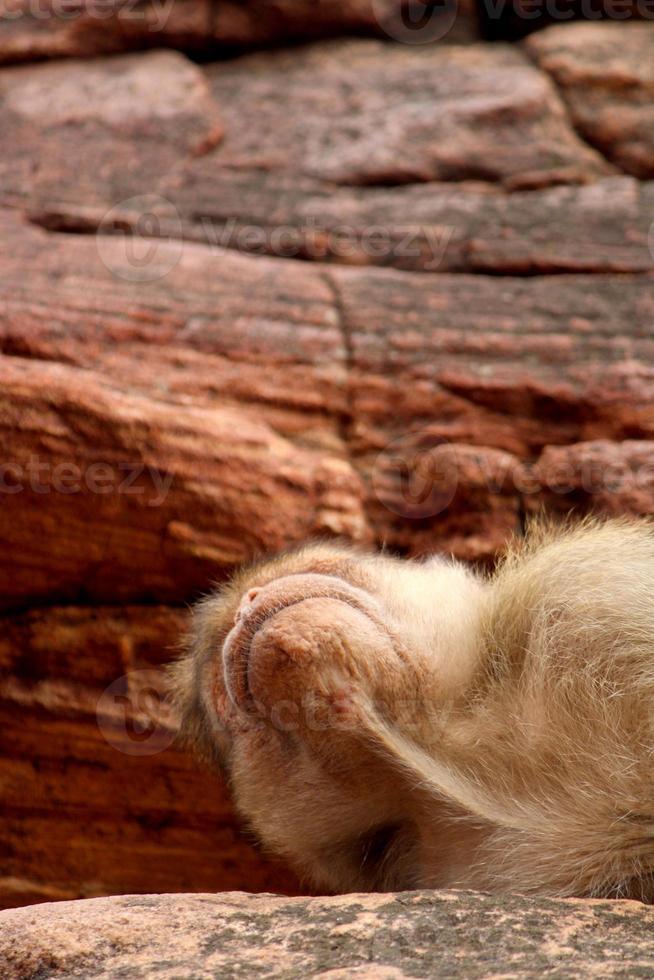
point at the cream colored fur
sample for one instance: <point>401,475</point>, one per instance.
<point>388,724</point>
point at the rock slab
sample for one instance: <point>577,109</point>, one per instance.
<point>79,28</point>
<point>605,73</point>
<point>385,937</point>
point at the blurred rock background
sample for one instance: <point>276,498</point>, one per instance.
<point>275,270</point>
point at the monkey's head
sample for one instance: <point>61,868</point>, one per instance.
<point>291,671</point>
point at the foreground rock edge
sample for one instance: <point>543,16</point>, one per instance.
<point>428,933</point>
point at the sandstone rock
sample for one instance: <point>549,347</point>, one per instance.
<point>612,478</point>
<point>436,934</point>
<point>96,797</point>
<point>135,400</point>
<point>435,227</point>
<point>88,647</point>
<point>283,20</point>
<point>527,361</point>
<point>436,362</point>
<point>79,28</point>
<point>516,19</point>
<point>271,401</point>
<point>605,73</point>
<point>366,113</point>
<point>184,323</point>
<point>134,117</point>
<point>52,29</point>
<point>126,498</point>
<point>357,112</point>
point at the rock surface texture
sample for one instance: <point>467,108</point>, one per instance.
<point>53,29</point>
<point>382,937</point>
<point>606,75</point>
<point>395,292</point>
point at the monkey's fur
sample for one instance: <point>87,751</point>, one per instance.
<point>389,724</point>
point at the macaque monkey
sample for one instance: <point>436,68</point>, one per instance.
<point>391,724</point>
